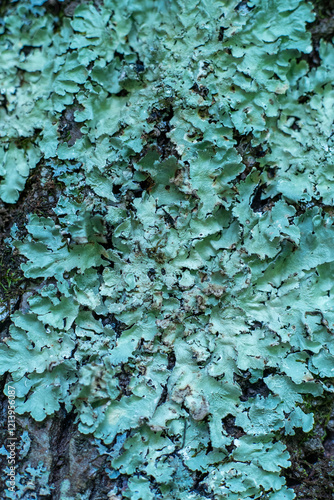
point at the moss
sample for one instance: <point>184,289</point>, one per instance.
<point>312,454</point>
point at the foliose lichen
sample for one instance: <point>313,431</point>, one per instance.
<point>192,246</point>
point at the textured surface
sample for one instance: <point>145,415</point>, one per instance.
<point>177,301</point>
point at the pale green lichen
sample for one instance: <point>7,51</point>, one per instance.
<point>177,263</point>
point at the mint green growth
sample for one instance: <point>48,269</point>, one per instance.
<point>192,249</point>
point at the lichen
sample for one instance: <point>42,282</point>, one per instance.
<point>191,249</point>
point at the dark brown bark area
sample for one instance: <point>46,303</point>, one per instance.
<point>311,474</point>
<point>66,454</point>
